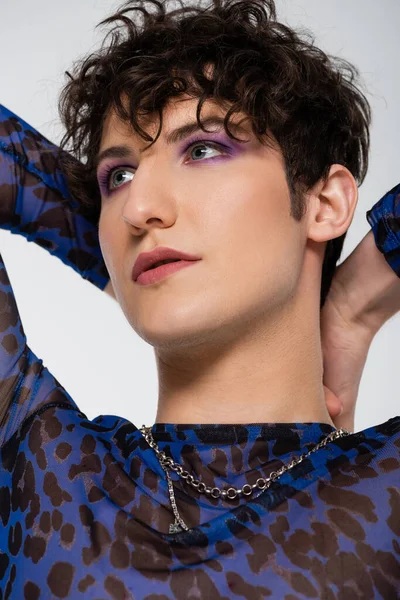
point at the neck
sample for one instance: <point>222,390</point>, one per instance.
<point>262,375</point>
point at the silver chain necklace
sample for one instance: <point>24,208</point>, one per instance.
<point>227,494</point>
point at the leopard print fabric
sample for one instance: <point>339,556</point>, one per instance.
<point>84,504</point>
<point>384,218</point>
<point>85,512</point>
<point>35,201</point>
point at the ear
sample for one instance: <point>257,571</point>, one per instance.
<point>332,204</point>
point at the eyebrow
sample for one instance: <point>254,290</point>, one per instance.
<point>172,137</point>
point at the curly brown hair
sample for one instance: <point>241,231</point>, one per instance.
<point>285,85</point>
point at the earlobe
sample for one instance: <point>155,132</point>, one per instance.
<point>335,201</point>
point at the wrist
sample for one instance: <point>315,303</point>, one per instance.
<point>368,286</point>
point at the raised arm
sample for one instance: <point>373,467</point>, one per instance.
<point>35,201</point>
<point>365,293</point>
<point>25,384</point>
<point>371,275</point>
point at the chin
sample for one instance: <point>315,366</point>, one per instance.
<point>171,338</point>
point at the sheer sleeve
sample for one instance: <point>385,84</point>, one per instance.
<point>35,201</point>
<point>384,218</point>
<point>25,383</point>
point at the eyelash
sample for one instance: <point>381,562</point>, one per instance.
<point>105,176</point>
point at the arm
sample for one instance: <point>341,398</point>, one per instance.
<point>370,276</point>
<point>365,293</point>
<point>371,285</point>
<point>35,201</point>
<point>25,384</point>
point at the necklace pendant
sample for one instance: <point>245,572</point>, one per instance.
<point>175,528</point>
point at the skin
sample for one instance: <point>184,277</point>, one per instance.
<point>364,295</point>
<point>237,336</point>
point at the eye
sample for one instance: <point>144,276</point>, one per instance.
<point>118,177</point>
<point>198,148</point>
<point>112,178</point>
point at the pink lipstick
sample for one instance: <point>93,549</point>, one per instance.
<point>155,275</point>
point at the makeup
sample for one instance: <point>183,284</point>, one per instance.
<point>155,275</point>
<point>111,167</point>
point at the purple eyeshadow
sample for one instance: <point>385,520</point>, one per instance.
<point>228,148</point>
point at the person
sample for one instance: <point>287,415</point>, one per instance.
<point>243,487</point>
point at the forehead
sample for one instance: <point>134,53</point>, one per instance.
<point>176,112</point>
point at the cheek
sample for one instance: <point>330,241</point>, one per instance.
<point>246,212</point>
<point>252,232</point>
<point>103,234</point>
<point>110,241</point>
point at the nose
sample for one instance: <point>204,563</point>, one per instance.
<point>150,201</point>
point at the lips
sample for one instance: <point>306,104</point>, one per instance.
<point>163,262</point>
<point>149,260</point>
<point>152,276</point>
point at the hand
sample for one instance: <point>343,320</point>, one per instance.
<point>345,346</point>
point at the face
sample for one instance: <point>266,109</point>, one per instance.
<point>207,195</point>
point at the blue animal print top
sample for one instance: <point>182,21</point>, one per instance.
<point>84,504</point>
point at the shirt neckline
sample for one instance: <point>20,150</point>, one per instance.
<point>236,433</point>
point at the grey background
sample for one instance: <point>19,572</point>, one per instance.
<point>80,333</point>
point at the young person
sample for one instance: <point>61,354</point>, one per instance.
<point>258,494</point>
